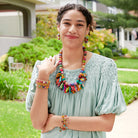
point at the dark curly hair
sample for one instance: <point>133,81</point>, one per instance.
<point>78,7</point>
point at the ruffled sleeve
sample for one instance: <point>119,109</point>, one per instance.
<point>32,88</point>
<point>109,97</point>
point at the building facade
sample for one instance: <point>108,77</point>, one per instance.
<point>17,22</point>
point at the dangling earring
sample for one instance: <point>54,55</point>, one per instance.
<point>58,36</point>
<point>86,39</point>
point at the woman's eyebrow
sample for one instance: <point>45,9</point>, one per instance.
<point>66,20</point>
<point>81,21</point>
<point>77,20</point>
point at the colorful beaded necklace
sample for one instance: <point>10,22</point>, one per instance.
<point>72,87</point>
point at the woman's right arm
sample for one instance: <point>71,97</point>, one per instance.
<point>39,109</point>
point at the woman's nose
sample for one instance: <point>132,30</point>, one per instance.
<point>72,29</point>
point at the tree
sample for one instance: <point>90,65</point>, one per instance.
<point>126,5</point>
<point>111,21</point>
<point>124,20</point>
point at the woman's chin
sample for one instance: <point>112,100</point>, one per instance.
<point>72,44</point>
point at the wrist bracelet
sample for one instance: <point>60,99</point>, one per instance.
<point>64,123</point>
<point>42,84</point>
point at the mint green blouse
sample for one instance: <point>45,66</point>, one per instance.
<point>100,95</point>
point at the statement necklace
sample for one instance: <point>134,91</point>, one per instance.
<point>72,87</point>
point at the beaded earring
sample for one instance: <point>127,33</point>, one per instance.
<point>86,39</point>
<point>58,36</point>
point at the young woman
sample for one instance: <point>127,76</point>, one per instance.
<point>74,94</point>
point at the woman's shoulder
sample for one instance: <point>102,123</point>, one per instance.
<point>99,59</point>
<point>100,62</point>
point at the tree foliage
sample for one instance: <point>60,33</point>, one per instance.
<point>111,21</point>
<point>127,5</point>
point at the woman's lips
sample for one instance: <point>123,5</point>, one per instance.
<point>71,37</point>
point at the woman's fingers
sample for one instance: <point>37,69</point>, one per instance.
<point>56,64</point>
<point>49,65</point>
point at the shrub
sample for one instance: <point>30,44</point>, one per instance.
<point>46,26</point>
<point>107,52</point>
<point>12,84</point>
<point>111,45</point>
<point>8,86</point>
<point>133,54</point>
<point>56,44</point>
<point>100,39</point>
<point>124,51</point>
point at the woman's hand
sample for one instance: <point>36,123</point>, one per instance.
<point>52,122</point>
<point>47,67</point>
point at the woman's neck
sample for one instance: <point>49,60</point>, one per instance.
<point>72,57</point>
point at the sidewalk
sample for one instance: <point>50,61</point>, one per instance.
<point>129,84</point>
<point>126,69</point>
<point>126,124</point>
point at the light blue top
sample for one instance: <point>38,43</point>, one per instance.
<point>101,95</point>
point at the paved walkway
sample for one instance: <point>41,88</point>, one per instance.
<point>129,84</point>
<point>125,69</point>
<point>126,124</point>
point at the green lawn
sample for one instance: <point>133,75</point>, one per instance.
<point>130,93</point>
<point>128,76</point>
<point>15,121</point>
<point>127,63</point>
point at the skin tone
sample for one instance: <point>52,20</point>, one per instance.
<point>72,28</point>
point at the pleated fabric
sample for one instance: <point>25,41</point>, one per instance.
<point>101,95</point>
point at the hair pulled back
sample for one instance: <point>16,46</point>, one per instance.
<point>78,7</point>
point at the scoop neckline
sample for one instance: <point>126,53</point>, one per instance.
<point>74,70</point>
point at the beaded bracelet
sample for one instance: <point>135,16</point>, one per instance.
<point>64,123</point>
<point>42,84</point>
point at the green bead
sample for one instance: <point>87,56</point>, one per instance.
<point>69,89</point>
<point>78,81</point>
<point>61,85</point>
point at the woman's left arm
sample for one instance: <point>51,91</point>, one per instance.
<point>96,123</point>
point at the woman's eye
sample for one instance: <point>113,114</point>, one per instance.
<point>79,24</point>
<point>66,23</point>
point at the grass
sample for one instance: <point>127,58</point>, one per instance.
<point>128,77</point>
<point>15,121</point>
<point>129,93</point>
<point>127,63</point>
<point>13,83</point>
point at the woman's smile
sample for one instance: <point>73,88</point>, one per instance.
<point>71,37</point>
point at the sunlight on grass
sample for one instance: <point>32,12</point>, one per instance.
<point>15,121</point>
<point>128,77</point>
<point>127,63</point>
<point>130,93</point>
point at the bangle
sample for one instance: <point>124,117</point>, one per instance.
<point>64,123</point>
<point>42,84</point>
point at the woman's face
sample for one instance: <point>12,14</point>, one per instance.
<point>73,28</point>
